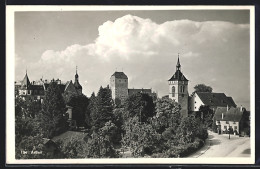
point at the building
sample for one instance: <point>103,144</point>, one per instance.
<point>119,88</point>
<point>35,90</point>
<point>213,100</point>
<point>230,118</point>
<point>178,89</point>
<point>147,91</point>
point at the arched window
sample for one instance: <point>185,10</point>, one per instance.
<point>173,91</point>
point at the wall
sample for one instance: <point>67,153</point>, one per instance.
<point>195,103</point>
<point>180,96</point>
<point>230,123</point>
<point>119,88</point>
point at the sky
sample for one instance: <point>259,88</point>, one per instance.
<point>213,46</point>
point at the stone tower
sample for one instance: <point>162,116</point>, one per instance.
<point>178,89</point>
<point>78,87</point>
<point>119,87</point>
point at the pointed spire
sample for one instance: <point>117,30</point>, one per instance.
<point>26,81</point>
<point>76,75</point>
<point>178,66</point>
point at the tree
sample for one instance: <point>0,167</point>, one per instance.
<point>79,112</point>
<point>202,88</point>
<point>141,138</point>
<point>101,107</point>
<point>167,115</point>
<point>32,147</point>
<point>140,105</point>
<point>100,143</point>
<point>118,120</point>
<point>92,110</point>
<point>190,128</point>
<point>206,115</point>
<point>52,121</point>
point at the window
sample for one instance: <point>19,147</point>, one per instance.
<point>227,122</point>
<point>225,127</point>
<point>181,89</point>
<point>235,127</point>
<point>173,91</point>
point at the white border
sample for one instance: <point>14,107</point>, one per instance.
<point>10,78</point>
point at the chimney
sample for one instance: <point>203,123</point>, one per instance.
<point>241,108</point>
<point>222,116</point>
<point>227,107</point>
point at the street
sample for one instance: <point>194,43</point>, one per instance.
<point>221,146</point>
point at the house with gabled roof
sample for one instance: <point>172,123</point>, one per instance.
<point>213,100</point>
<point>230,118</point>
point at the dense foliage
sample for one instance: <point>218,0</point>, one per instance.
<point>202,88</point>
<point>141,126</point>
<point>79,105</point>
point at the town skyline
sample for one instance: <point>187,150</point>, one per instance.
<point>145,45</point>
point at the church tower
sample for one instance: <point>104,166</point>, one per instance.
<point>178,89</point>
<point>78,87</point>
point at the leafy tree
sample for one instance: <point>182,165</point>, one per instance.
<point>206,115</point>
<point>203,88</point>
<point>167,115</point>
<point>140,105</point>
<point>141,138</point>
<point>79,111</point>
<point>74,148</point>
<point>31,147</point>
<point>190,128</point>
<point>99,144</point>
<point>52,121</point>
<point>33,108</point>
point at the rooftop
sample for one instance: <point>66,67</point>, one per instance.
<point>120,75</point>
<point>216,99</point>
<point>233,114</point>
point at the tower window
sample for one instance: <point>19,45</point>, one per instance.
<point>173,91</point>
<point>181,89</point>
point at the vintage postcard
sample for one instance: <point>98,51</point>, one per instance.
<point>130,85</point>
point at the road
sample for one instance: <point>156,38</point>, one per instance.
<point>221,146</point>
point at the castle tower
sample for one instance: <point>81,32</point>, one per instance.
<point>119,87</point>
<point>178,89</point>
<point>76,83</point>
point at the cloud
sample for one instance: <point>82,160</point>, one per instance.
<point>148,51</point>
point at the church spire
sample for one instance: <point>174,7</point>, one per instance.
<point>76,75</point>
<point>178,66</point>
